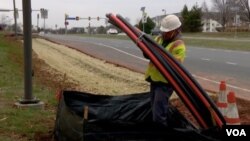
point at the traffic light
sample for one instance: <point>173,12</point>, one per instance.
<point>77,18</point>
<point>89,18</point>
<point>42,11</point>
<point>98,18</point>
<point>144,17</point>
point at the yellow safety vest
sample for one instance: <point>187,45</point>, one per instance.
<point>176,48</point>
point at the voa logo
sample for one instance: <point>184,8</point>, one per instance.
<point>236,132</point>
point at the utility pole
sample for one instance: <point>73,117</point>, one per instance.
<point>15,12</point>
<point>56,28</point>
<point>37,22</point>
<point>66,23</point>
<point>28,100</point>
<point>44,24</point>
<point>89,29</point>
<point>236,24</point>
<point>27,51</point>
<point>164,12</point>
<point>66,28</point>
<point>143,20</point>
<point>89,25</point>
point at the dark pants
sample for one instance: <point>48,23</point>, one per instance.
<point>160,94</point>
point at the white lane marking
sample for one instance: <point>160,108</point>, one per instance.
<point>205,59</point>
<point>199,48</point>
<point>123,52</point>
<point>228,51</point>
<point>231,63</point>
<point>216,82</point>
<point>245,52</point>
<point>212,49</point>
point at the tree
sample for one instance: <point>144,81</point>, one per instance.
<point>195,19</point>
<point>205,10</point>
<point>101,30</point>
<point>191,21</point>
<point>185,18</point>
<point>223,7</point>
<point>246,8</point>
<point>229,8</point>
<point>148,26</point>
<point>13,27</point>
<point>204,7</point>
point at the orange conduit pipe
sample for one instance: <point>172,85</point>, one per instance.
<point>160,67</point>
<point>187,77</point>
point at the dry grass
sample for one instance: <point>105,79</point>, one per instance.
<point>92,75</point>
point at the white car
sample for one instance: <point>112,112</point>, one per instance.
<point>112,31</point>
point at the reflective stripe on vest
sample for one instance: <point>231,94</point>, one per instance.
<point>176,48</point>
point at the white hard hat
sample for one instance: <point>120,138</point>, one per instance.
<point>169,23</point>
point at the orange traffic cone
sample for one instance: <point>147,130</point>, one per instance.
<point>222,99</point>
<point>232,116</point>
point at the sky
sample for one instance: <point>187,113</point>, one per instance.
<point>94,8</point>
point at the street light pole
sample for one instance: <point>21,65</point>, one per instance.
<point>44,25</point>
<point>37,22</point>
<point>27,51</point>
<point>28,100</point>
<point>143,20</point>
<point>14,5</point>
<point>164,11</point>
<point>236,19</point>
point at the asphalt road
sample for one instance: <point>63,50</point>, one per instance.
<point>208,66</point>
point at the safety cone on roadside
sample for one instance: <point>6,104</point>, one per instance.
<point>222,99</point>
<point>232,116</point>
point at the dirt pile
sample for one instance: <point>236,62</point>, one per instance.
<point>86,73</point>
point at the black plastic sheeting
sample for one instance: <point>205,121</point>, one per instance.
<point>120,118</point>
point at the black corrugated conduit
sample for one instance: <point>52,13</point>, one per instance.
<point>163,70</point>
<point>190,92</point>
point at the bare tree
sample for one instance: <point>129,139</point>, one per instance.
<point>204,7</point>
<point>3,19</point>
<point>222,7</point>
<point>246,8</point>
<point>205,11</point>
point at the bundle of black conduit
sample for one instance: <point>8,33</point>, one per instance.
<point>189,91</point>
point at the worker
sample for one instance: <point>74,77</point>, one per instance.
<point>160,89</point>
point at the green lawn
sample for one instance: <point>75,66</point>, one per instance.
<point>21,124</point>
<point>239,35</point>
<point>219,44</point>
<point>228,40</point>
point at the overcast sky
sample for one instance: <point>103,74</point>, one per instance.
<point>94,8</point>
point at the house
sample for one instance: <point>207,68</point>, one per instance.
<point>210,25</point>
